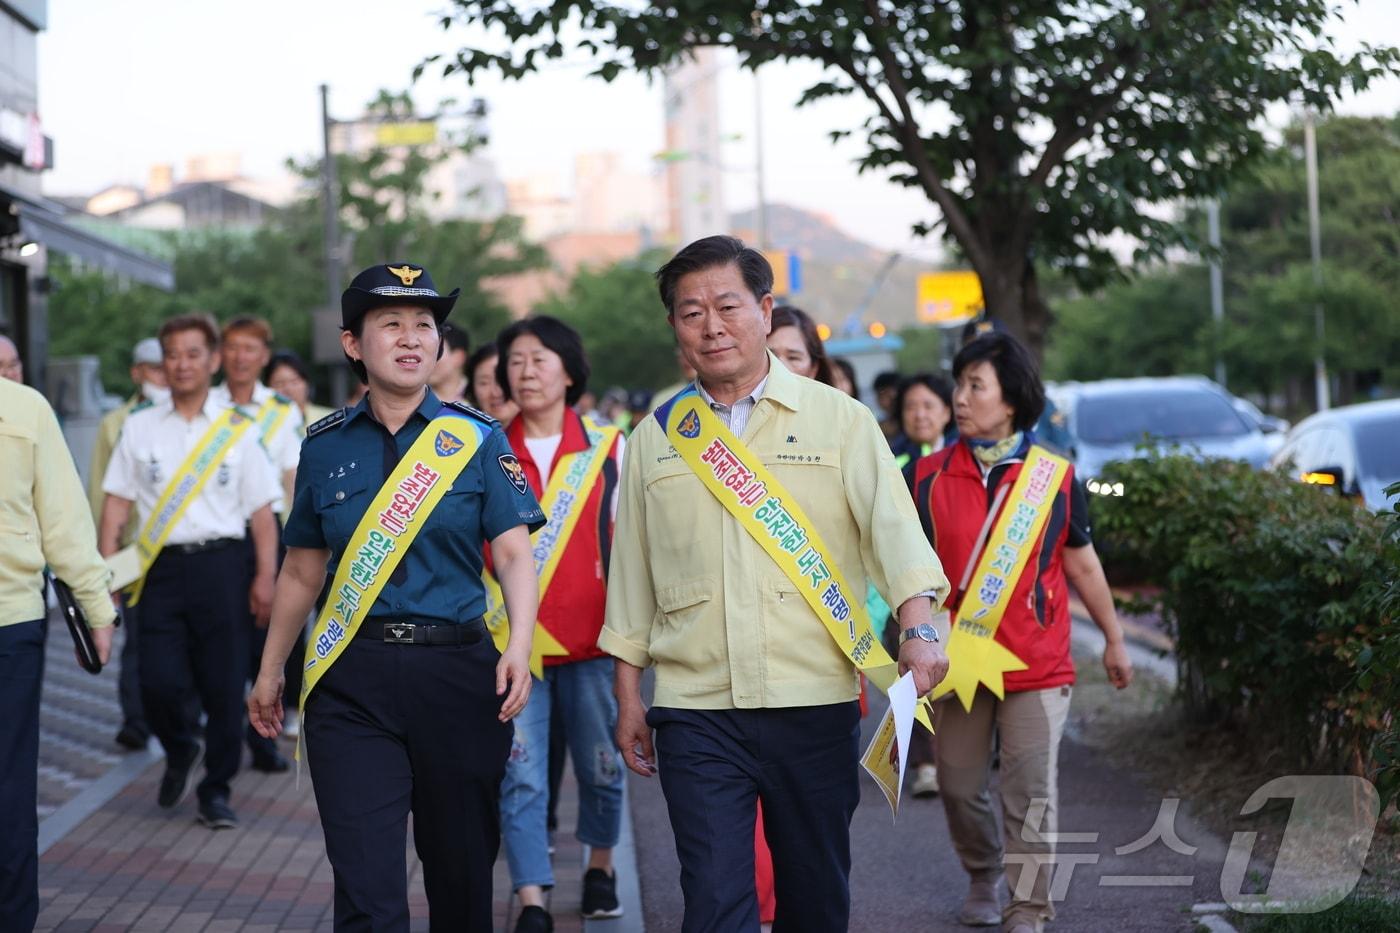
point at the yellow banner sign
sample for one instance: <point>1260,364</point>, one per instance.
<point>946,299</point>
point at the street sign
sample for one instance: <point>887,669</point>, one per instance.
<point>410,133</point>
<point>787,271</point>
<point>947,299</point>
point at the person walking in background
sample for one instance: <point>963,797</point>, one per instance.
<point>795,342</point>
<point>287,375</point>
<point>886,386</point>
<point>11,366</point>
<point>843,376</point>
<point>923,409</point>
<point>407,703</point>
<point>450,380</point>
<point>966,495</point>
<point>199,482</point>
<point>487,393</point>
<point>573,467</point>
<point>41,497</point>
<point>246,351</point>
<point>149,379</point>
<point>756,694</point>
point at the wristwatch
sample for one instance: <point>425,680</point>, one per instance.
<point>922,631</point>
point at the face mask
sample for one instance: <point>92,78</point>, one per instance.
<point>154,392</point>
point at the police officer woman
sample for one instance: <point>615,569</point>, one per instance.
<point>406,702</point>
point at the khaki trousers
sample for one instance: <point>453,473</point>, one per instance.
<point>1030,725</point>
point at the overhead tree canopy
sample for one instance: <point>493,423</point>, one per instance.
<point>1036,129</point>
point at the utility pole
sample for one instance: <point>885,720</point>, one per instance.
<point>330,189</point>
<point>1324,395</point>
<point>761,214</point>
<point>1217,287</point>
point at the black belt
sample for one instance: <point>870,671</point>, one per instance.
<point>199,547</point>
<point>422,633</point>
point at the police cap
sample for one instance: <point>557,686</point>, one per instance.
<point>395,283</point>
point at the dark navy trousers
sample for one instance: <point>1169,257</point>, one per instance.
<point>393,730</point>
<point>194,642</point>
<point>21,674</point>
<point>802,763</point>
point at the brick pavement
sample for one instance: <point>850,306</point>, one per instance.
<point>134,866</point>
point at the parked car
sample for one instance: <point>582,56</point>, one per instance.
<point>1108,420</point>
<point>1354,449</point>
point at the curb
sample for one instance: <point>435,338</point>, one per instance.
<point>92,798</point>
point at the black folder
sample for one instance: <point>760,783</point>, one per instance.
<point>77,625</point>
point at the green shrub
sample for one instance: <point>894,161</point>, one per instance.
<point>1283,600</point>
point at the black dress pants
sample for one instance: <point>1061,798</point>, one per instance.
<point>21,675</point>
<point>802,763</point>
<point>397,729</point>
<point>194,616</point>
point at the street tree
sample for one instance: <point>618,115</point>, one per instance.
<point>1036,130</point>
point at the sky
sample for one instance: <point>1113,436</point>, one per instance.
<point>126,85</point>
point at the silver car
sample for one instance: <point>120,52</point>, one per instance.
<point>1110,419</point>
<point>1354,449</point>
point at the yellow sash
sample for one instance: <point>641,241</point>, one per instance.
<point>974,655</point>
<point>386,531</point>
<point>743,485</point>
<point>184,487</point>
<point>269,419</point>
<point>562,503</point>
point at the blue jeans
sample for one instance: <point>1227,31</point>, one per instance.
<point>583,691</point>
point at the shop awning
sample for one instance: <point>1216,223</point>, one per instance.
<point>43,221</point>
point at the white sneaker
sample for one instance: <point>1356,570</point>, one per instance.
<point>925,783</point>
<point>291,724</point>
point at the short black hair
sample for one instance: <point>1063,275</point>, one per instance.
<point>455,338</point>
<point>557,337</point>
<point>714,251</point>
<point>290,360</point>
<point>1016,370</point>
<point>889,379</point>
<point>937,383</point>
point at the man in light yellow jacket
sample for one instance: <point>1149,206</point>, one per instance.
<point>44,521</point>
<point>755,699</point>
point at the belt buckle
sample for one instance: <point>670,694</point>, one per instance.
<point>399,633</point>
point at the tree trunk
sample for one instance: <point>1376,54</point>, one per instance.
<point>1012,296</point>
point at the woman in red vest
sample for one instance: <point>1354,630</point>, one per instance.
<point>962,493</point>
<point>573,467</point>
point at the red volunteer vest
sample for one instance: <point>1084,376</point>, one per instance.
<point>572,610</point>
<point>953,500</point>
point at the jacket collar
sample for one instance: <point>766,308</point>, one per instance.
<point>428,409</point>
<point>780,384</point>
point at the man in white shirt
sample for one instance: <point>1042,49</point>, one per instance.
<point>245,350</point>
<point>197,592</point>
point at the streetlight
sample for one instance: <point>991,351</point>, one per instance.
<point>1324,400</point>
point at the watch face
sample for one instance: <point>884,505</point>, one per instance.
<point>927,632</point>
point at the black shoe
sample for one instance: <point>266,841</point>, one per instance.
<point>133,736</point>
<point>179,775</point>
<point>217,814</point>
<point>273,762</point>
<point>600,895</point>
<point>534,920</point>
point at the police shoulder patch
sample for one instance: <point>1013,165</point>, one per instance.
<point>326,423</point>
<point>476,413</point>
<point>514,472</point>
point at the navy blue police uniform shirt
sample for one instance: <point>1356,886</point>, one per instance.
<point>346,458</point>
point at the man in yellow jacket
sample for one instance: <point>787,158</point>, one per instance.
<point>43,522</point>
<point>756,698</point>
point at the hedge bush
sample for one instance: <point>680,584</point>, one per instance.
<point>1284,601</point>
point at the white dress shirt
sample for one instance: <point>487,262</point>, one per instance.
<point>154,443</point>
<point>284,447</point>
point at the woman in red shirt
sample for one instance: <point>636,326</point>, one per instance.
<point>573,467</point>
<point>961,493</point>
